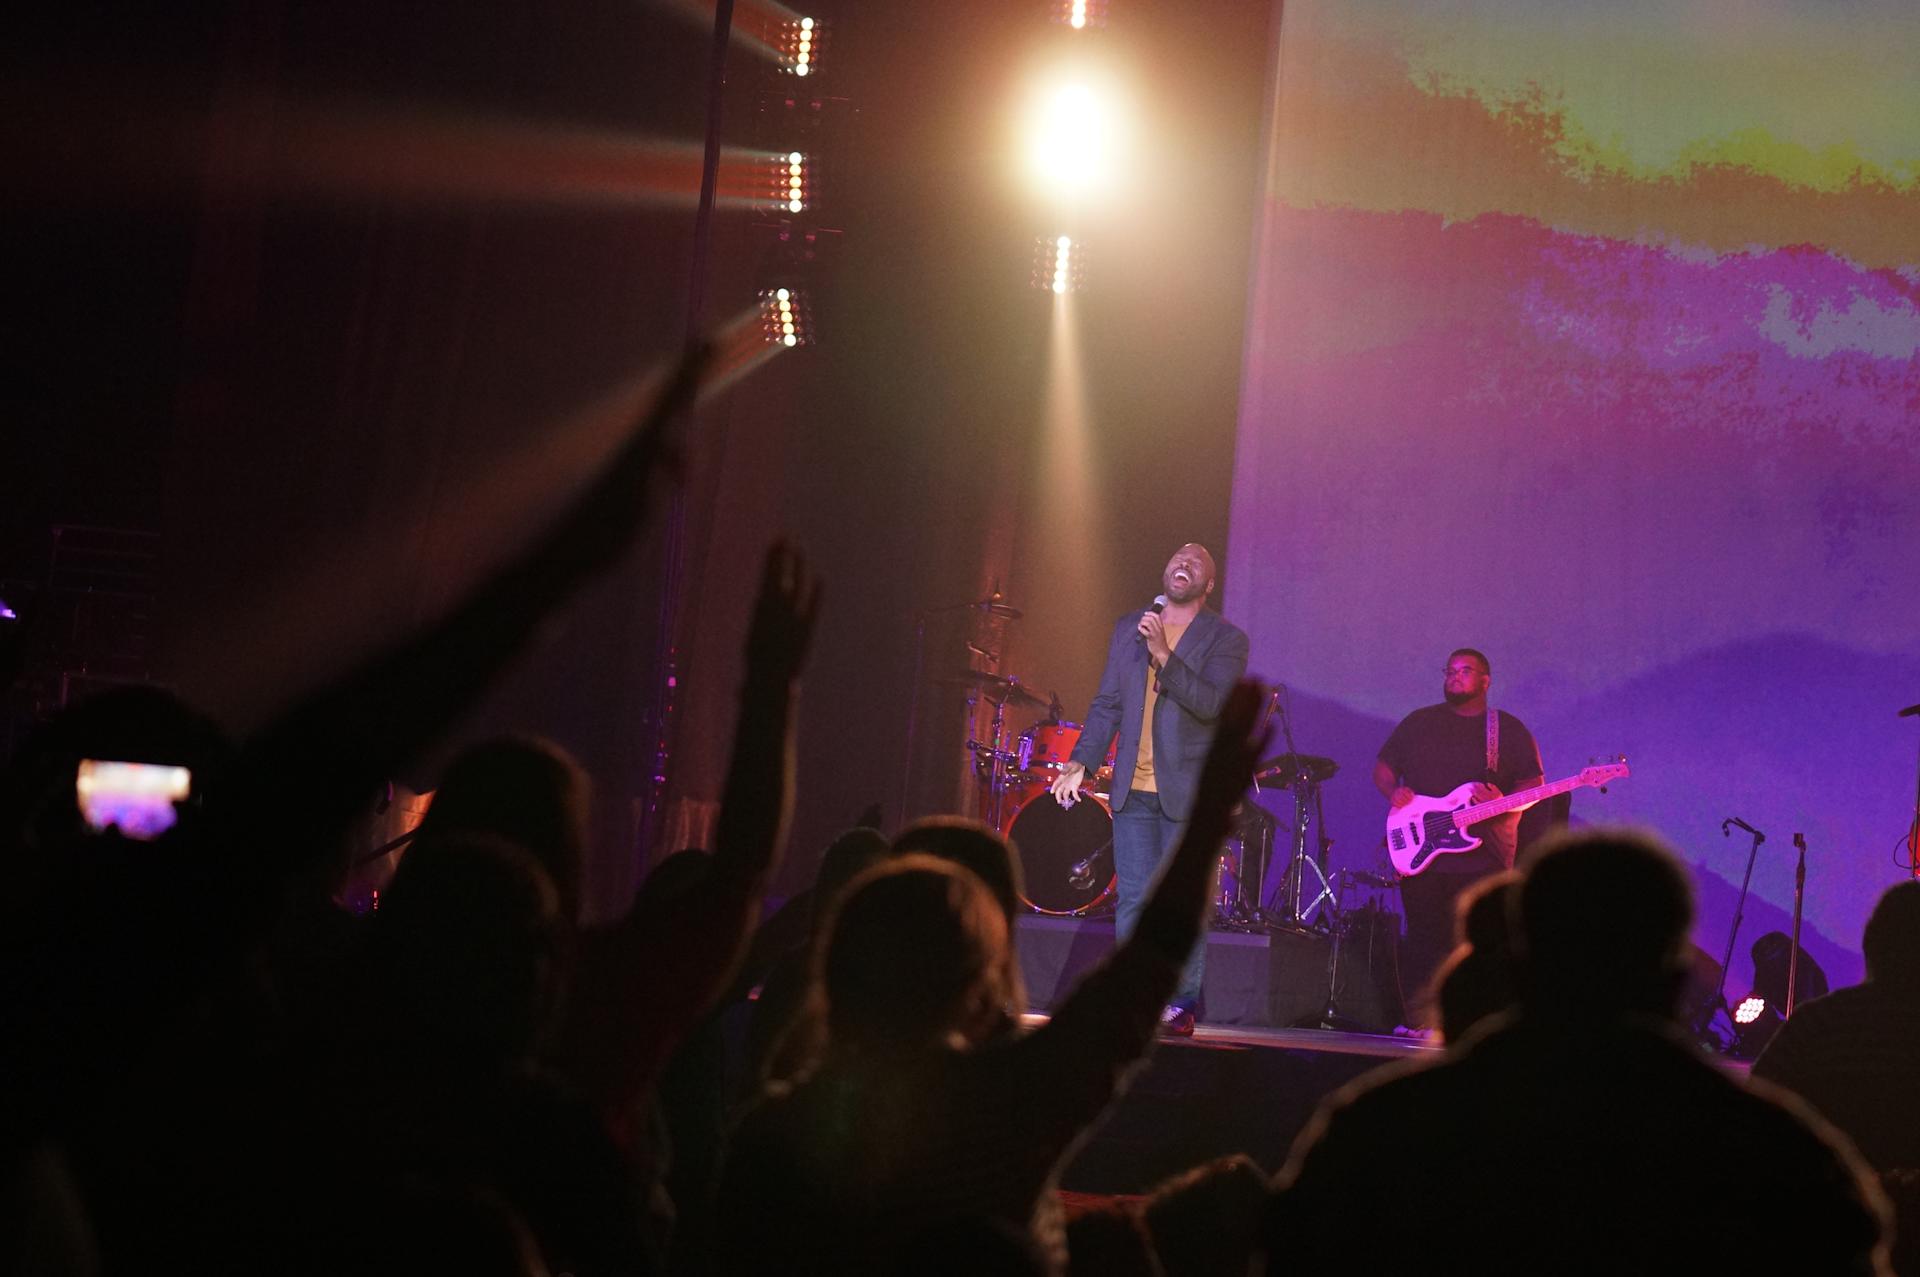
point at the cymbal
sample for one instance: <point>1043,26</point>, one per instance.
<point>996,687</point>
<point>1281,769</point>
<point>996,606</point>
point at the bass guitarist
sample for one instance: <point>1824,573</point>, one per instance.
<point>1433,750</point>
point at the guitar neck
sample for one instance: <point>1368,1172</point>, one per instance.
<point>1507,802</point>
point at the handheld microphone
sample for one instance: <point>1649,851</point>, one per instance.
<point>1159,605</point>
<point>1908,712</point>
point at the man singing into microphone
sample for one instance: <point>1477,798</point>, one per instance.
<point>1169,669</point>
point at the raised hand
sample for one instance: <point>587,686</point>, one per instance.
<point>781,630</point>
<point>1240,738</point>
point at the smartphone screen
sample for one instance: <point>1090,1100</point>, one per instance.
<point>138,798</point>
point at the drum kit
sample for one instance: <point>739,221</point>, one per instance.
<point>1066,853</point>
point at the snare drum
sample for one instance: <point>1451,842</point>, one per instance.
<point>1066,854</point>
<point>1046,748</point>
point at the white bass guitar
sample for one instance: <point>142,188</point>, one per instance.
<point>1430,827</point>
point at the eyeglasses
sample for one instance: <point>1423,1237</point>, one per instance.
<point>1451,670</point>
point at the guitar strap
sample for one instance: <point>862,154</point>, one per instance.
<point>1493,743</point>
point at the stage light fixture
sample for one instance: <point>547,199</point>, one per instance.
<point>1058,263</point>
<point>1071,148</point>
<point>799,44</point>
<point>789,182</point>
<point>785,319</point>
<point>1080,14</point>
<point>1749,1010</point>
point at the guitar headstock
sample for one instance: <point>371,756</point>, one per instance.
<point>1603,772</point>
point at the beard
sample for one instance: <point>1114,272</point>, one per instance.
<point>1181,593</point>
<point>1456,698</point>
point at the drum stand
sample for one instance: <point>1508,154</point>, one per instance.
<point>1293,909</point>
<point>1251,855</point>
<point>1000,765</point>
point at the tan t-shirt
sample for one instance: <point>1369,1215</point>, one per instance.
<point>1143,764</point>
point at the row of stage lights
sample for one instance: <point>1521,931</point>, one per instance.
<point>784,317</point>
<point>789,185</point>
<point>800,46</point>
<point>789,192</point>
<point>1057,264</point>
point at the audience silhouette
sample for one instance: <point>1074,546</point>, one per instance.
<point>1854,1055</point>
<point>1583,1132</point>
<point>929,1106</point>
<point>1478,979</point>
<point>211,1066</point>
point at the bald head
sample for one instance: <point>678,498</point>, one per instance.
<point>1189,574</point>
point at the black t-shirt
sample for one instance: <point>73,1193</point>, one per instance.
<point>1434,750</point>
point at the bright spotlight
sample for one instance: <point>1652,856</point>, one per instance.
<point>1057,263</point>
<point>1749,1010</point>
<point>784,317</point>
<point>1071,147</point>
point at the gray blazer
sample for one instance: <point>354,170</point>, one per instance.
<point>1211,658</point>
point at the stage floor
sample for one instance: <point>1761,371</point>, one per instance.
<point>1230,1089</point>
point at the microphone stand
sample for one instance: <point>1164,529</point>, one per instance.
<point>1719,1002</point>
<point>1913,828</point>
<point>1799,894</point>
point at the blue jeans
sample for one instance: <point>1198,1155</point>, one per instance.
<point>1143,837</point>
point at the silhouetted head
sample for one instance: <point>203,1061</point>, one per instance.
<point>469,942</point>
<point>528,791</point>
<point>973,845</point>
<point>1111,1240</point>
<point>1483,916</point>
<point>846,858</point>
<point>421,1226</point>
<point>1604,917</point>
<point>1892,938</point>
<point>1479,977</point>
<point>679,873</point>
<point>915,957</point>
<point>970,1247</point>
<point>1208,1219</point>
